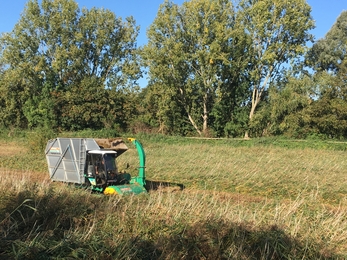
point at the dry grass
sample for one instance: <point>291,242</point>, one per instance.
<point>260,171</point>
<point>239,203</point>
<point>11,148</point>
<point>192,224</point>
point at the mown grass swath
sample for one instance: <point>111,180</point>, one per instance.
<point>257,199</point>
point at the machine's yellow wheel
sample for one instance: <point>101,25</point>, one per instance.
<point>110,191</point>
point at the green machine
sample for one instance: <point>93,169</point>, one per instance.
<point>92,163</point>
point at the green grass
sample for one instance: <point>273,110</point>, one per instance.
<point>257,199</point>
<point>269,170</point>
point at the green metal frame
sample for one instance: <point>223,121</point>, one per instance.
<point>141,177</point>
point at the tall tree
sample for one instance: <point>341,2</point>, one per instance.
<point>328,53</point>
<point>279,32</point>
<point>189,53</point>
<point>327,58</point>
<point>58,55</point>
<point>286,110</point>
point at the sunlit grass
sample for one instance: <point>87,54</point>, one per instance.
<point>240,202</point>
<point>53,219</point>
<point>266,171</point>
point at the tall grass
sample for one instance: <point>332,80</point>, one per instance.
<point>47,220</point>
<point>242,201</point>
<point>268,171</point>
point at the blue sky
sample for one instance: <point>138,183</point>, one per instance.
<point>144,12</point>
<point>324,12</point>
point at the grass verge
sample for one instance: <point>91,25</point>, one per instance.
<point>245,201</point>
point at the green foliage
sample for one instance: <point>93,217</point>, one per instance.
<point>216,68</point>
<point>66,67</point>
<point>328,115</point>
<point>11,133</point>
<point>190,56</point>
<point>90,133</point>
<point>330,52</point>
<point>278,32</point>
<point>215,57</point>
<point>286,110</point>
<point>37,139</point>
<point>327,57</point>
<point>164,112</point>
<point>238,125</point>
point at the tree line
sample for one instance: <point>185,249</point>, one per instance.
<point>217,68</point>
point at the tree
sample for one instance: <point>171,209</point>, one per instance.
<point>63,60</point>
<point>190,54</point>
<point>286,110</point>
<point>278,31</point>
<point>328,54</point>
<point>328,114</point>
<point>206,52</point>
<point>327,58</point>
<point>162,112</point>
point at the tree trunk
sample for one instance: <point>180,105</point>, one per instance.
<point>255,101</point>
<point>205,117</point>
<point>256,97</point>
<point>193,123</point>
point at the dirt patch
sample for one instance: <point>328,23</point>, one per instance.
<point>8,149</point>
<point>11,148</point>
<point>22,174</point>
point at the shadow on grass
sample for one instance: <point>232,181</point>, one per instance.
<point>155,185</point>
<point>43,226</point>
<point>28,218</point>
<point>222,240</point>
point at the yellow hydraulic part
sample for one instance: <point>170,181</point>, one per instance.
<point>110,191</point>
<point>131,139</point>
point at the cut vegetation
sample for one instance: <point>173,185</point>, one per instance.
<point>256,199</point>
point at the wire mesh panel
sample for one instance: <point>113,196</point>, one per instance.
<point>66,158</point>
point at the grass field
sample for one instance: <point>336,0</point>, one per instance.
<point>257,199</point>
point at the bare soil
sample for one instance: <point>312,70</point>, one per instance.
<point>12,149</point>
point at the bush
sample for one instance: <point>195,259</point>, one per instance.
<point>38,138</point>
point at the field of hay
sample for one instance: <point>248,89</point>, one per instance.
<point>258,199</point>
